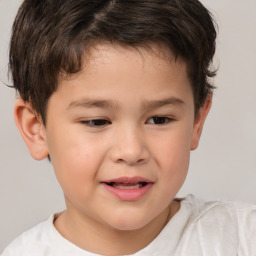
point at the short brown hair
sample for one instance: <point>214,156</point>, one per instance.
<point>51,36</point>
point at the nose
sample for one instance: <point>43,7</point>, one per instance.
<point>130,147</point>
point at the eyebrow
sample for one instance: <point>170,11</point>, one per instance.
<point>108,104</point>
<point>151,104</point>
<point>92,103</point>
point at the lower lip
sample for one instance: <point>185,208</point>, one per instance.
<point>128,194</point>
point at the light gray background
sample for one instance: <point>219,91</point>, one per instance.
<point>224,166</point>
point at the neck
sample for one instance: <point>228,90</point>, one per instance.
<point>105,240</point>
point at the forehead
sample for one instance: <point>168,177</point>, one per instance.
<point>112,69</point>
<point>148,57</point>
<point>153,53</point>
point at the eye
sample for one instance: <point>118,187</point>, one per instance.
<point>159,120</point>
<point>95,122</point>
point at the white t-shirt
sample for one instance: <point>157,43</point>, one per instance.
<point>198,228</point>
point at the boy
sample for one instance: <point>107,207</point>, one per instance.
<point>116,93</point>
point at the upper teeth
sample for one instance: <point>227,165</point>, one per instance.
<point>126,185</point>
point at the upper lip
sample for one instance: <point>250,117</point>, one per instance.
<point>131,180</point>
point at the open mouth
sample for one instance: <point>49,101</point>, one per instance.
<point>128,188</point>
<point>125,185</point>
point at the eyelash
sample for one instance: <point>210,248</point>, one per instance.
<point>162,120</point>
<point>95,122</point>
<point>157,120</point>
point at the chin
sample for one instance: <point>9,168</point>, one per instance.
<point>129,222</point>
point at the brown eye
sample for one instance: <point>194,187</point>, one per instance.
<point>159,120</point>
<point>95,122</point>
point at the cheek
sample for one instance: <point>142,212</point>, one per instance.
<point>173,155</point>
<point>174,148</point>
<point>174,168</point>
<point>75,160</point>
<point>175,165</point>
<point>76,170</point>
<point>69,149</point>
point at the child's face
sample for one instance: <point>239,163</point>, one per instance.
<point>119,135</point>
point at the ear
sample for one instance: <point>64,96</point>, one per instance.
<point>31,128</point>
<point>199,122</point>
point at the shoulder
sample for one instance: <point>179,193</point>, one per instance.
<point>43,240</point>
<point>223,222</point>
<point>237,212</point>
<point>31,242</point>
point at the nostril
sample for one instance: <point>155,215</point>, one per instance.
<point>141,160</point>
<point>133,161</point>
<point>130,151</point>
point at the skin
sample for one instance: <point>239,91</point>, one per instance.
<point>126,90</point>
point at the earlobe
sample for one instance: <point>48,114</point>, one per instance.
<point>31,129</point>
<point>199,122</point>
